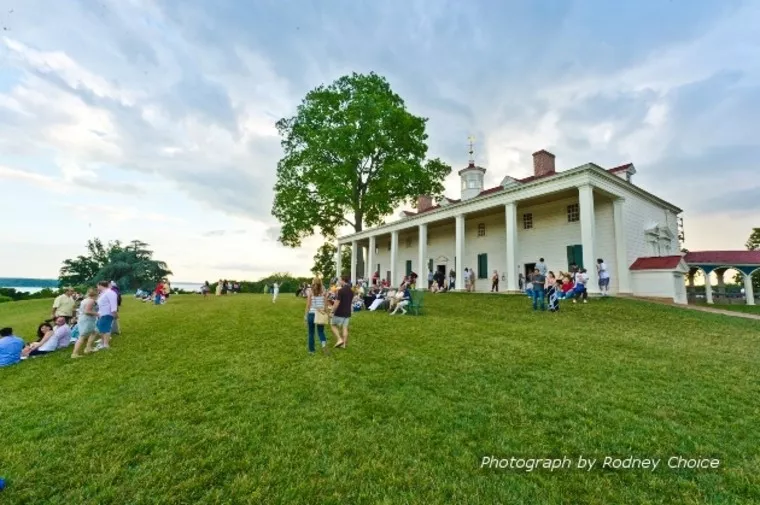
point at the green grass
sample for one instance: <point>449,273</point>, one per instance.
<point>216,401</point>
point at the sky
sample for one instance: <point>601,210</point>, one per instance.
<point>154,119</point>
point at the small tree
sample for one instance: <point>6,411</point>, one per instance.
<point>131,266</point>
<point>353,153</point>
<point>324,261</point>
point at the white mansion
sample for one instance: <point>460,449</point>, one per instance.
<point>573,216</point>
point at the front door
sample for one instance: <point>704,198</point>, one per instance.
<point>529,267</point>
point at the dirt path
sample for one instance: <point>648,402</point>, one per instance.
<point>713,310</point>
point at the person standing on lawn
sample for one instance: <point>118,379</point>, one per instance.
<point>107,311</point>
<point>538,293</point>
<point>316,307</point>
<point>342,313</point>
<point>87,320</point>
<point>275,291</point>
<point>604,276</point>
<point>64,305</point>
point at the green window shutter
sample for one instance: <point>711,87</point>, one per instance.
<point>482,266</point>
<point>408,267</point>
<point>575,255</point>
<point>430,264</point>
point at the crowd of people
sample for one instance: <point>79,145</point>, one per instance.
<point>223,287</point>
<point>83,322</point>
<point>158,296</point>
<point>547,289</point>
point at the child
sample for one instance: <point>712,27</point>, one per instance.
<point>554,288</point>
<point>567,287</point>
<point>581,278</point>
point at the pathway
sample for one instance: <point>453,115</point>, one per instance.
<point>712,310</point>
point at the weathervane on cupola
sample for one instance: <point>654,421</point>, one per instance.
<point>472,175</point>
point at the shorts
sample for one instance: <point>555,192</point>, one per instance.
<point>105,323</point>
<point>87,325</point>
<point>603,283</point>
<point>340,321</point>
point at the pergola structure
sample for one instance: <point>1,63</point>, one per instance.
<point>747,262</point>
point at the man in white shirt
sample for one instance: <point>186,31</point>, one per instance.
<point>604,276</point>
<point>108,306</point>
<point>65,304</point>
<point>62,333</point>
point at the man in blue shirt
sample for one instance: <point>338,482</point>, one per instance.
<point>10,347</point>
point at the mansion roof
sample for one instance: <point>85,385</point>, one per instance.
<point>497,189</point>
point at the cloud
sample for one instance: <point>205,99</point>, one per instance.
<point>63,185</point>
<point>117,213</point>
<point>173,104</point>
<point>739,201</point>
<point>222,233</point>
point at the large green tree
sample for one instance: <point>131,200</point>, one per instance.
<point>324,261</point>
<point>132,266</point>
<point>352,153</point>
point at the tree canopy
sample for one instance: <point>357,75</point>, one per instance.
<point>324,261</point>
<point>352,153</point>
<point>131,266</point>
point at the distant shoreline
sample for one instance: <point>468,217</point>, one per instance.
<point>29,285</point>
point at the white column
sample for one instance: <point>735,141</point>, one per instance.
<point>422,269</point>
<point>394,257</point>
<point>621,251</point>
<point>748,292</point>
<point>510,212</point>
<point>588,235</point>
<point>354,262</point>
<point>338,266</point>
<point>370,268</point>
<point>459,252</point>
<point>708,287</point>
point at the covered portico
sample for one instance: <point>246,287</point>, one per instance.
<point>718,262</point>
<point>584,184</point>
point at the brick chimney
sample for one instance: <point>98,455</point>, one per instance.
<point>424,202</point>
<point>543,163</point>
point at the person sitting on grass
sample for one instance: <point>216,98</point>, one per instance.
<point>579,291</point>
<point>11,347</point>
<point>552,291</point>
<point>406,298</point>
<point>566,291</point>
<point>396,298</point>
<point>62,332</point>
<point>46,342</point>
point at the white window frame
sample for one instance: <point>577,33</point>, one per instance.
<point>573,213</point>
<point>528,221</point>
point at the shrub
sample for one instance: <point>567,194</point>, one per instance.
<point>4,299</point>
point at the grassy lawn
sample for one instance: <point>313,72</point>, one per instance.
<point>216,401</point>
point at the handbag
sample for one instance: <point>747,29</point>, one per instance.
<point>321,317</point>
